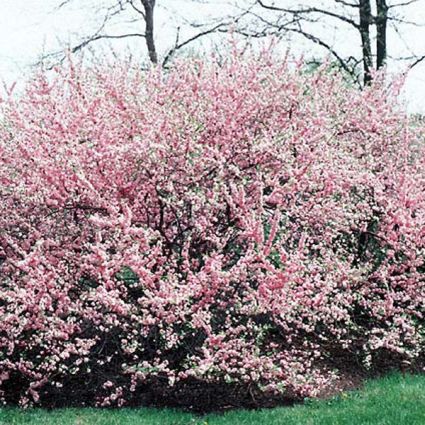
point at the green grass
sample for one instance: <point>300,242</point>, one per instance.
<point>394,400</point>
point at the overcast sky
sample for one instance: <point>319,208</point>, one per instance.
<point>30,27</point>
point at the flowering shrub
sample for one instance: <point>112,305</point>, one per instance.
<point>244,224</point>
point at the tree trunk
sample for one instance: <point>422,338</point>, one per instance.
<point>149,7</point>
<point>365,20</point>
<point>381,32</point>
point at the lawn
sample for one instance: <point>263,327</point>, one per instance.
<point>393,400</point>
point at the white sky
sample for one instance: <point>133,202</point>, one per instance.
<point>30,27</point>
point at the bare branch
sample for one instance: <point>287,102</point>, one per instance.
<point>405,22</point>
<point>102,37</point>
<point>346,3</point>
<point>178,45</point>
<point>269,7</point>
<point>135,8</point>
<point>329,48</point>
<point>417,62</point>
<point>64,3</point>
<point>310,10</point>
<point>406,3</point>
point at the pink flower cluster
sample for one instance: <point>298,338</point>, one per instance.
<point>244,223</point>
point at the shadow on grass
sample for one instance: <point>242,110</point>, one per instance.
<point>392,400</point>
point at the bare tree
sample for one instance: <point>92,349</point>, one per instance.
<point>370,19</point>
<point>142,12</point>
<point>148,15</point>
<point>381,32</point>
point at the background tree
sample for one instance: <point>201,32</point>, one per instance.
<point>370,20</point>
<point>327,24</point>
<point>142,13</point>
